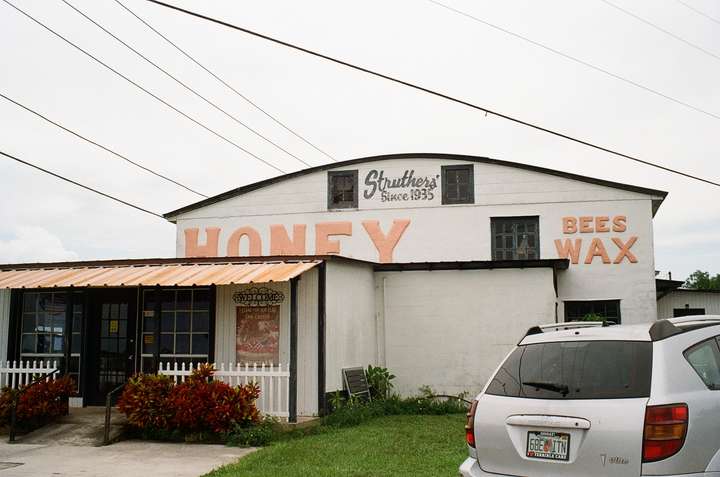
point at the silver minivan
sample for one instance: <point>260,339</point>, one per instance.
<point>588,399</point>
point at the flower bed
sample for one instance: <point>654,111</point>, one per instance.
<point>195,409</point>
<point>37,404</point>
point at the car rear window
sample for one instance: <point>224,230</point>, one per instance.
<point>576,370</point>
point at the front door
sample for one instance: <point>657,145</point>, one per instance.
<point>112,329</point>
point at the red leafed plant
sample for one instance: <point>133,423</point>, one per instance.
<point>196,405</point>
<point>144,401</point>
<point>39,403</point>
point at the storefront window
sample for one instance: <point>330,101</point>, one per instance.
<point>44,334</point>
<point>182,331</point>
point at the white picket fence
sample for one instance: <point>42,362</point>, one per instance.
<point>273,380</point>
<point>14,374</point>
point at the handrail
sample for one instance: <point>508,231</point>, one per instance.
<point>108,410</point>
<point>16,400</point>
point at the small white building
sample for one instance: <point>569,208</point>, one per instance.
<point>433,265</point>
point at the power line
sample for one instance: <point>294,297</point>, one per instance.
<point>699,12</point>
<point>104,148</point>
<point>137,207</point>
<point>184,85</point>
<point>430,91</point>
<point>234,144</point>
<point>661,29</point>
<point>225,83</point>
<point>575,59</point>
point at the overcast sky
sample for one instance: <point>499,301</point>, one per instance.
<point>346,113</point>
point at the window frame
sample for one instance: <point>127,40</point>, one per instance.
<point>155,355</point>
<point>353,174</point>
<point>612,300</point>
<point>494,221</point>
<point>716,341</point>
<point>471,184</point>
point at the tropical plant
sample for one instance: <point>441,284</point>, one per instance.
<point>380,381</point>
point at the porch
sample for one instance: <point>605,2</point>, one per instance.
<point>101,322</point>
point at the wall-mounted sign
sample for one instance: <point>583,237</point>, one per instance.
<point>113,326</point>
<point>257,338</point>
<point>408,187</point>
<point>573,249</point>
<point>258,296</point>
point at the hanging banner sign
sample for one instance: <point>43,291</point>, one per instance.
<point>257,338</point>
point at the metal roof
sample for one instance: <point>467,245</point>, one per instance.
<point>152,274</point>
<point>658,195</point>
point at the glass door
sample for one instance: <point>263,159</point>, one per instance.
<point>112,320</point>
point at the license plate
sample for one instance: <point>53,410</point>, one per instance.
<point>548,445</point>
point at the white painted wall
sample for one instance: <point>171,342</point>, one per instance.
<point>225,321</point>
<point>695,299</point>
<point>4,323</point>
<point>307,387</point>
<point>450,329</point>
<point>459,232</point>
<point>350,327</point>
<point>225,333</point>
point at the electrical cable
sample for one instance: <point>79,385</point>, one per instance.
<point>431,92</point>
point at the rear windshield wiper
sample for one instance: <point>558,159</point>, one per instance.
<point>550,386</point>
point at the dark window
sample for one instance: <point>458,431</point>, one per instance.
<point>591,310</point>
<point>342,190</point>
<point>576,370</point>
<point>183,327</point>
<point>687,311</point>
<point>44,333</point>
<point>458,184</point>
<point>705,360</point>
<point>515,238</point>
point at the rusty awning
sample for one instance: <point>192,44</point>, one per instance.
<point>138,273</point>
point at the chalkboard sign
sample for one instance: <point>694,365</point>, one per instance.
<point>356,382</point>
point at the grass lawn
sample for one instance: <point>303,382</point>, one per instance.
<point>386,446</point>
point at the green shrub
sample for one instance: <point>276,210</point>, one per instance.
<point>257,435</point>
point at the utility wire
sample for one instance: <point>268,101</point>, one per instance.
<point>137,207</point>
<point>184,85</point>
<point>225,83</point>
<point>699,12</point>
<point>237,146</point>
<point>107,149</point>
<point>575,59</point>
<point>431,92</point>
<point>661,29</point>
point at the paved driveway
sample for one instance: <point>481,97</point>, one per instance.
<point>126,458</point>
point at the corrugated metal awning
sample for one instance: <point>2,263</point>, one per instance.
<point>175,274</point>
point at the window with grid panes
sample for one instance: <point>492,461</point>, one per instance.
<point>458,184</point>
<point>342,189</point>
<point>181,334</point>
<point>44,329</point>
<point>515,238</point>
<point>579,310</point>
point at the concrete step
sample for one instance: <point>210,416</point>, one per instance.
<point>81,427</point>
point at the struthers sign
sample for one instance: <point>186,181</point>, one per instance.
<point>597,247</point>
<point>282,243</point>
<point>407,187</point>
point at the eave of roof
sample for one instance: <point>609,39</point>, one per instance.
<point>478,159</point>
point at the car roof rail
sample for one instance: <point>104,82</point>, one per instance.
<point>694,319</point>
<point>568,325</point>
<point>668,327</point>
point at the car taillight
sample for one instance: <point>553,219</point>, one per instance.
<point>470,425</point>
<point>665,430</point>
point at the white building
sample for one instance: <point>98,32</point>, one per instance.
<point>432,265</point>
